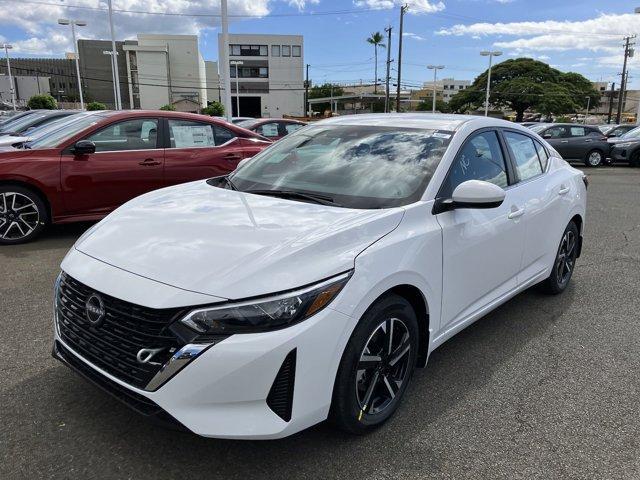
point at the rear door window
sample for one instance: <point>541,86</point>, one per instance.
<point>189,134</point>
<point>524,154</point>
<point>268,130</point>
<point>542,155</point>
<point>578,131</point>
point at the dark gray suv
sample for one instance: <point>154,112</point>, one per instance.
<point>576,142</point>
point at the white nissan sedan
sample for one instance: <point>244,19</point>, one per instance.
<point>310,283</point>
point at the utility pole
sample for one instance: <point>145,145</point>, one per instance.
<point>306,92</point>
<point>612,94</point>
<point>403,10</point>
<point>226,68</point>
<point>628,52</point>
<point>435,69</point>
<point>386,88</point>
<point>12,89</point>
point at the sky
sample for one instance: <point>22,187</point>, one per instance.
<point>584,36</point>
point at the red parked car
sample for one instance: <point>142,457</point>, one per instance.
<point>91,166</point>
<point>272,128</point>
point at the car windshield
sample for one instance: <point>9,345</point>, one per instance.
<point>52,127</point>
<point>23,122</point>
<point>632,134</point>
<point>353,166</point>
<point>64,132</point>
<point>538,128</point>
<point>247,123</point>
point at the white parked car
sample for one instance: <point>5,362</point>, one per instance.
<point>309,283</point>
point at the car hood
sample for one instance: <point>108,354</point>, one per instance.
<point>615,141</point>
<point>231,244</point>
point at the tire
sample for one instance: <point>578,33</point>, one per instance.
<point>23,215</point>
<point>594,158</point>
<point>368,391</point>
<point>635,159</point>
<point>563,265</point>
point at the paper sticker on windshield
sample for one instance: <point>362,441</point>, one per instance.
<point>441,135</point>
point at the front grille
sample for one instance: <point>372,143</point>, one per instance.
<point>280,398</point>
<point>114,343</point>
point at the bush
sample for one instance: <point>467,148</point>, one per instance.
<point>214,109</point>
<point>92,106</point>
<point>46,102</point>
<point>168,108</point>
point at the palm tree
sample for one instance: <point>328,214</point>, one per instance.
<point>376,40</point>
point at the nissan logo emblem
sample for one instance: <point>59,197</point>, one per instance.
<point>95,310</point>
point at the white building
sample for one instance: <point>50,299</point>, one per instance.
<point>448,86</point>
<point>270,77</point>
<point>166,69</point>
<point>213,80</point>
<point>25,87</point>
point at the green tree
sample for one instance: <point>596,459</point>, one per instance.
<point>168,108</point>
<point>426,105</point>
<point>523,83</point>
<point>323,91</point>
<point>92,106</point>
<point>376,40</point>
<point>214,109</point>
<point>45,102</point>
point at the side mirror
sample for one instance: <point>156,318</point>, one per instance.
<point>84,147</point>
<point>242,162</point>
<point>472,194</point>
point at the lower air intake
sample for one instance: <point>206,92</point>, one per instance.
<point>280,398</point>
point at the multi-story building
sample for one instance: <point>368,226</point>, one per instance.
<point>60,72</point>
<point>96,72</point>
<point>166,70</point>
<point>448,86</point>
<point>213,81</point>
<point>266,74</point>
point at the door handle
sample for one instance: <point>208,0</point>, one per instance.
<point>564,141</point>
<point>515,213</point>
<point>149,162</point>
<point>563,190</point>
<point>233,156</point>
<point>588,140</point>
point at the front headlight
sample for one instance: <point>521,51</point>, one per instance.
<point>270,313</point>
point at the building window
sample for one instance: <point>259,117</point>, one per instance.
<point>249,50</point>
<point>275,50</point>
<point>296,51</point>
<point>250,72</point>
<point>286,51</point>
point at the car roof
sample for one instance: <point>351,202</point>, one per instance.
<point>435,121</point>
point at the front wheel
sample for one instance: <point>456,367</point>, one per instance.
<point>376,366</point>
<point>594,158</point>
<point>565,261</point>
<point>23,215</point>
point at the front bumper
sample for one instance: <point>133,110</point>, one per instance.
<point>223,392</point>
<point>618,154</point>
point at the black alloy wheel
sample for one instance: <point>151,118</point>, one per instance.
<point>376,366</point>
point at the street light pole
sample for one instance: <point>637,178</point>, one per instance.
<point>435,69</point>
<point>587,113</point>
<point>236,63</point>
<point>74,23</point>
<point>6,47</point>
<point>489,54</point>
<point>114,58</point>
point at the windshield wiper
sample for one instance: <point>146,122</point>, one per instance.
<point>313,197</point>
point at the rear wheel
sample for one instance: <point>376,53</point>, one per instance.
<point>23,215</point>
<point>376,366</point>
<point>565,261</point>
<point>594,158</point>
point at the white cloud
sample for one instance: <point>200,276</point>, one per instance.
<point>600,34</point>
<point>300,4</point>
<point>415,6</point>
<point>414,36</point>
<point>43,36</point>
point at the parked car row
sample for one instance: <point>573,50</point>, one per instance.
<point>96,161</point>
<point>591,144</point>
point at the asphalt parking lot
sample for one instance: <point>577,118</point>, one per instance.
<point>543,387</point>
